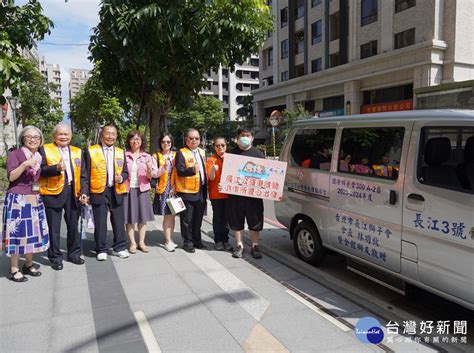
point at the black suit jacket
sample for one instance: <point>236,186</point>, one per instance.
<point>85,181</point>
<point>56,201</point>
<point>182,171</point>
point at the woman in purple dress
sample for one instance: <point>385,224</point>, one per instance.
<point>25,230</point>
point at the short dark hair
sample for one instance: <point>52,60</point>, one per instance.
<point>166,134</point>
<point>131,135</point>
<point>241,129</point>
<point>218,138</point>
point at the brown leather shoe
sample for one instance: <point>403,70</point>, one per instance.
<point>143,247</point>
<point>132,249</point>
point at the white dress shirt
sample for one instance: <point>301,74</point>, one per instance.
<point>109,160</point>
<point>134,174</point>
<point>197,157</point>
<point>64,151</point>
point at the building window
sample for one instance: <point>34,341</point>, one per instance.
<point>270,57</point>
<point>268,81</point>
<point>284,49</point>
<point>401,5</point>
<point>284,17</point>
<point>369,10</point>
<point>315,3</point>
<point>269,2</point>
<point>284,76</point>
<point>299,10</point>
<point>405,38</point>
<point>368,49</point>
<point>225,72</point>
<point>254,62</point>
<point>299,70</point>
<point>316,65</point>
<point>334,60</point>
<point>334,26</point>
<point>316,32</point>
<point>299,40</point>
<point>269,34</point>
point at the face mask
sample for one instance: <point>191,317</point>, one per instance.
<point>245,141</point>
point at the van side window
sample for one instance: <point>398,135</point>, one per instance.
<point>312,148</point>
<point>373,152</point>
<point>446,158</point>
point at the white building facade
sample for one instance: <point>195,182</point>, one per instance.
<point>78,78</point>
<point>231,87</point>
<point>337,57</point>
<point>52,74</point>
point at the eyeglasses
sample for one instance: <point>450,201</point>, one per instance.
<point>194,138</point>
<point>167,142</point>
<point>136,139</point>
<point>222,145</point>
<point>29,137</point>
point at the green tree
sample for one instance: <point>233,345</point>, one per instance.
<point>37,107</point>
<point>205,115</point>
<point>94,106</point>
<point>155,48</point>
<point>20,26</point>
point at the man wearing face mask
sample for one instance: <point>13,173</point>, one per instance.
<point>241,208</point>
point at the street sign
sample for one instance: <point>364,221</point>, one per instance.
<point>274,119</point>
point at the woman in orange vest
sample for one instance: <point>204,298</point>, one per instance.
<point>165,188</point>
<point>218,199</point>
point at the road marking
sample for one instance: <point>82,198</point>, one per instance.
<point>260,340</point>
<point>252,303</point>
<point>147,332</point>
<point>318,311</point>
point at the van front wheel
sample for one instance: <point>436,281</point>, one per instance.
<point>307,243</point>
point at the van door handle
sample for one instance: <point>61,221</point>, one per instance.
<point>416,197</point>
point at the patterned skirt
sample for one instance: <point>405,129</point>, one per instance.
<point>25,229</point>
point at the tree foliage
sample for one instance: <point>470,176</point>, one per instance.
<point>37,107</point>
<point>94,107</point>
<point>20,26</point>
<point>204,115</point>
<point>147,47</point>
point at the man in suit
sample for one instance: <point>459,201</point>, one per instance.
<point>191,186</point>
<point>60,189</point>
<point>103,176</point>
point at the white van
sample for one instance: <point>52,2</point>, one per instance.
<point>393,192</point>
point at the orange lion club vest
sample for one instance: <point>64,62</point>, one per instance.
<point>190,184</point>
<point>55,184</point>
<point>98,172</point>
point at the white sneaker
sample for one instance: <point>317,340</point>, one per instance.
<point>102,256</point>
<point>174,244</point>
<point>123,254</point>
<point>169,246</point>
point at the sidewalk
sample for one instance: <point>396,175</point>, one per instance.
<point>176,302</point>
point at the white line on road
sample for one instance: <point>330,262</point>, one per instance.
<point>318,311</point>
<point>147,332</point>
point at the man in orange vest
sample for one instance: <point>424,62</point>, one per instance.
<point>60,187</point>
<point>191,186</point>
<point>102,184</point>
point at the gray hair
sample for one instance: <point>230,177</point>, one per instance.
<point>191,130</point>
<point>27,128</point>
<point>60,125</point>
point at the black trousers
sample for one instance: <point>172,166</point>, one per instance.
<point>100,221</point>
<point>191,221</point>
<point>71,217</point>
<point>219,220</point>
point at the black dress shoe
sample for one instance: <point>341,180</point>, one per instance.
<point>57,266</point>
<point>189,249</point>
<point>200,246</point>
<point>27,270</point>
<point>77,261</point>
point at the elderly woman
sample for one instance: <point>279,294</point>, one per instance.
<point>142,168</point>
<point>25,229</point>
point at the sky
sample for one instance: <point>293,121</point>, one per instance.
<point>73,23</point>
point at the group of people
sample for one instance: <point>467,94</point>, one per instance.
<point>47,180</point>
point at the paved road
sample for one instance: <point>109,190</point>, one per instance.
<point>180,302</point>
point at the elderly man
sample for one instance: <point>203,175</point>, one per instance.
<point>103,185</point>
<point>60,189</point>
<point>191,186</point>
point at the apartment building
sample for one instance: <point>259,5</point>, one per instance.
<point>339,57</point>
<point>231,87</point>
<point>78,78</point>
<point>52,74</point>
